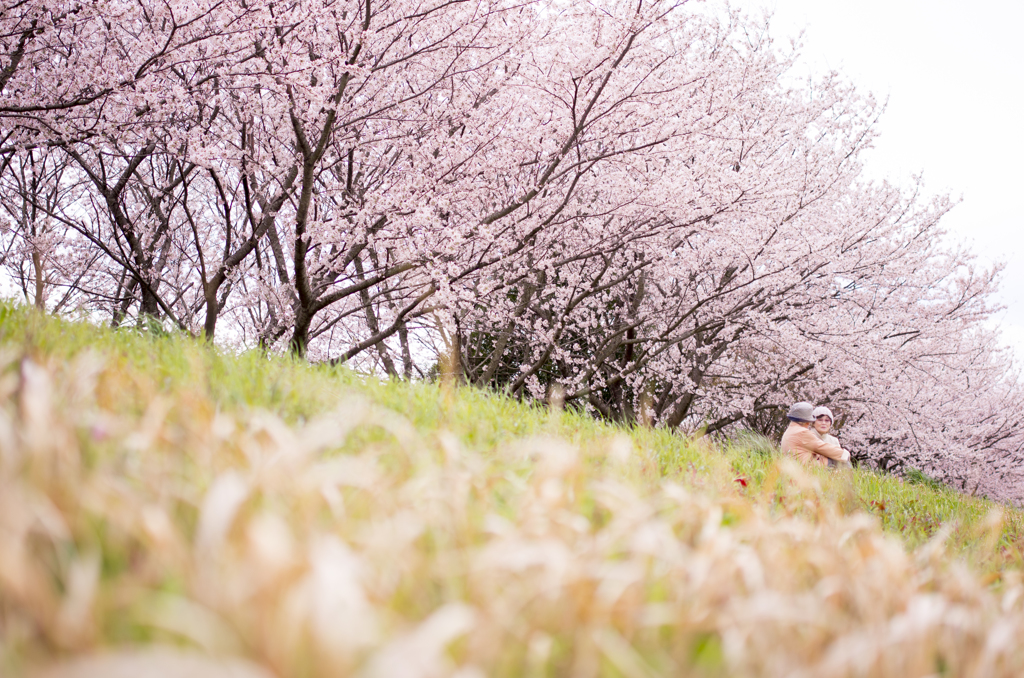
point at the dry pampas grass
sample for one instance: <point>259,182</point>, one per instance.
<point>174,539</point>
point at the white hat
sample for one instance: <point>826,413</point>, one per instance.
<point>820,410</point>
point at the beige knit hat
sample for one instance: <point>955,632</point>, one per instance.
<point>820,410</point>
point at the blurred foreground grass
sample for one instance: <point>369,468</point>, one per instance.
<point>169,506</point>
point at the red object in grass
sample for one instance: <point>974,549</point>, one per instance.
<point>742,481</point>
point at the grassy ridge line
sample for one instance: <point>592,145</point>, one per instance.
<point>176,369</point>
<point>180,496</point>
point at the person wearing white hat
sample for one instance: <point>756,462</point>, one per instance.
<point>804,444</point>
<point>822,424</point>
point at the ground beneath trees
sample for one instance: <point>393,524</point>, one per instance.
<point>168,506</point>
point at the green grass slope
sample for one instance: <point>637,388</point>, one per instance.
<point>165,505</point>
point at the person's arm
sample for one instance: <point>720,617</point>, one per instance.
<point>815,444</point>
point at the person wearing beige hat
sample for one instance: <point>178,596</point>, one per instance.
<point>822,424</point>
<point>804,444</point>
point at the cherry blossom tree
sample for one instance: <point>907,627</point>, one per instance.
<point>630,203</point>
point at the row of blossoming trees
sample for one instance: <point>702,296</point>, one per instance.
<point>625,201</point>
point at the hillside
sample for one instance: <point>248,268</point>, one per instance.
<point>166,504</point>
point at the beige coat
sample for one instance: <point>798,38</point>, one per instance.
<point>829,438</point>
<point>806,446</point>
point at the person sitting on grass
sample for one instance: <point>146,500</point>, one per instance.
<point>822,424</point>
<point>804,444</point>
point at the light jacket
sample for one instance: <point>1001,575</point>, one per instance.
<point>807,447</point>
<point>828,437</point>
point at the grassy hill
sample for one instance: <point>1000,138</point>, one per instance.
<point>168,505</point>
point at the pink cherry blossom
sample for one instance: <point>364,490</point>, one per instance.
<point>630,203</point>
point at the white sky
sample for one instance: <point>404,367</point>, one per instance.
<point>953,74</point>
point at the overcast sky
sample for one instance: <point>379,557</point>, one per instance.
<point>953,75</point>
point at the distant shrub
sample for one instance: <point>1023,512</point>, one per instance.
<point>913,475</point>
